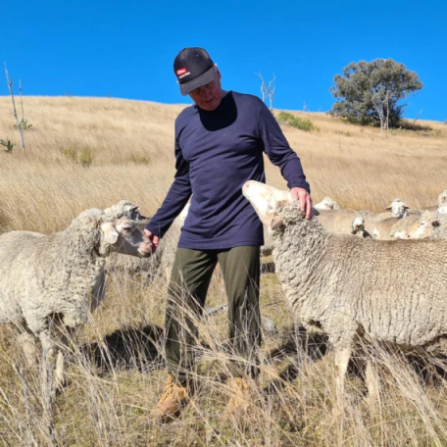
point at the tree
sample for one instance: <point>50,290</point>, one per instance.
<point>267,90</point>
<point>370,92</point>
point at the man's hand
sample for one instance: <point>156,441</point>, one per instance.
<point>154,239</point>
<point>305,200</point>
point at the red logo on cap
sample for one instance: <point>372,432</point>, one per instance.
<point>181,71</point>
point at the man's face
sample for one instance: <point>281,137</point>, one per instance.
<point>209,96</point>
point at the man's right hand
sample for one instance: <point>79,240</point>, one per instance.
<point>154,239</point>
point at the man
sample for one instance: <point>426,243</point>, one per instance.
<point>219,145</point>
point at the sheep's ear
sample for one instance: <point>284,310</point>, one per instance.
<point>138,217</point>
<point>388,208</point>
<point>275,222</point>
<point>110,234</point>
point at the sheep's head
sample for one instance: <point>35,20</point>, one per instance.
<point>442,198</point>
<point>128,209</point>
<point>358,225</point>
<point>268,202</point>
<point>425,227</point>
<point>442,203</point>
<point>398,208</point>
<point>327,204</point>
<point>115,230</point>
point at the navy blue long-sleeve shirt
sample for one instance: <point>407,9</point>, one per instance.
<point>216,153</point>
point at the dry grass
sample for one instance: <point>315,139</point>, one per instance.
<point>111,393</point>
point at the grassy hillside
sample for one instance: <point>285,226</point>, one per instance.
<point>89,152</point>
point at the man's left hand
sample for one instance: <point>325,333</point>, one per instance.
<point>305,200</point>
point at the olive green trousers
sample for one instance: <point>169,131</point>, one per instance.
<point>188,287</point>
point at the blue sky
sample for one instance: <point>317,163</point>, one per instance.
<point>126,49</point>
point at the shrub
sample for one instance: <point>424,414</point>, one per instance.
<point>8,144</point>
<point>295,121</point>
<point>24,125</point>
<point>70,153</point>
<point>85,158</point>
<point>140,159</point>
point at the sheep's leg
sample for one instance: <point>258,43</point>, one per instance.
<point>59,377</point>
<point>47,388</point>
<point>48,351</point>
<point>60,380</point>
<point>342,357</point>
<point>372,381</point>
<point>341,329</point>
<point>28,344</point>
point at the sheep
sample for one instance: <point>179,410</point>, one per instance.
<point>327,204</point>
<point>345,221</point>
<point>355,225</point>
<point>402,227</point>
<point>160,263</point>
<point>429,226</point>
<point>49,283</point>
<point>379,225</point>
<point>352,288</point>
<point>442,202</point>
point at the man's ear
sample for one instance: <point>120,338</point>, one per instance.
<point>110,234</point>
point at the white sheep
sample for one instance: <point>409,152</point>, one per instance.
<point>160,263</point>
<point>402,227</point>
<point>48,284</point>
<point>379,225</point>
<point>344,221</point>
<point>349,288</point>
<point>327,204</point>
<point>442,203</point>
<point>429,226</point>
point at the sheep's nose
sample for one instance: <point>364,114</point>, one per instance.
<point>146,248</point>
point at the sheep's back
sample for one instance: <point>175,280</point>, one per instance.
<point>17,273</point>
<point>38,279</point>
<point>394,290</point>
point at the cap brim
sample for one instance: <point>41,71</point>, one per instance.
<point>197,82</point>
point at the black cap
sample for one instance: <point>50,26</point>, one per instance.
<point>193,68</point>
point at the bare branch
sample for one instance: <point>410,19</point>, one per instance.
<point>18,123</point>
<point>262,86</point>
<point>21,102</point>
<point>268,91</point>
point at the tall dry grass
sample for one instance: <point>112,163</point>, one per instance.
<point>117,370</point>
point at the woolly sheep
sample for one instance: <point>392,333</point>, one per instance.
<point>49,281</point>
<point>428,226</point>
<point>442,203</point>
<point>379,225</point>
<point>402,227</point>
<point>160,263</point>
<point>344,221</point>
<point>349,287</point>
<point>327,204</point>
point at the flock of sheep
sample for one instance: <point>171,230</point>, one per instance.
<point>399,222</point>
<point>358,288</point>
<point>348,287</point>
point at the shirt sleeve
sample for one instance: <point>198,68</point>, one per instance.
<point>177,197</point>
<point>278,150</point>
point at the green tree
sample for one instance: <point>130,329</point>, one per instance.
<point>370,92</point>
